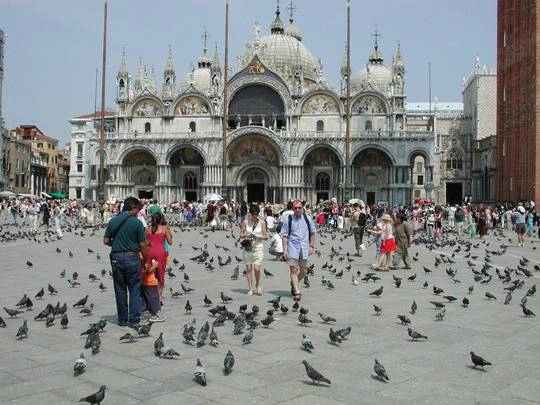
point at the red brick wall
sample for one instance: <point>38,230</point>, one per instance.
<point>518,109</point>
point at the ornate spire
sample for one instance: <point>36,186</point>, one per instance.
<point>139,78</point>
<point>215,61</point>
<point>204,59</point>
<point>292,30</point>
<point>399,65</point>
<point>277,25</point>
<point>123,70</point>
<point>169,66</point>
<point>344,63</point>
<point>376,57</point>
<point>477,65</point>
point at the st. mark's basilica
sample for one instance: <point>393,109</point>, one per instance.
<point>286,130</point>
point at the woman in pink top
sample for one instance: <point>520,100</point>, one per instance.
<point>157,233</point>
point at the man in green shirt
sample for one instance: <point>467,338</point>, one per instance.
<point>125,234</point>
<point>153,209</point>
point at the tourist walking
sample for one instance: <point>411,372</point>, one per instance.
<point>253,232</point>
<point>126,236</point>
<point>519,219</point>
<point>298,233</point>
<point>388,245</point>
<point>403,235</point>
<point>357,223</point>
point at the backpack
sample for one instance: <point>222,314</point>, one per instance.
<point>289,218</point>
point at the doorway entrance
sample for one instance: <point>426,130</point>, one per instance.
<point>370,197</point>
<point>255,192</point>
<point>255,184</point>
<point>454,193</point>
<point>146,195</point>
<point>191,196</point>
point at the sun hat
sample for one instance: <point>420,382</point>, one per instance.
<point>386,217</point>
<point>521,209</point>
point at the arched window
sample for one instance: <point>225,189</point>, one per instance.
<point>369,126</point>
<point>322,182</point>
<point>147,127</point>
<point>454,160</point>
<point>193,126</point>
<point>320,126</point>
<point>190,181</point>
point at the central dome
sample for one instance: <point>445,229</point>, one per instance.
<point>283,50</point>
<point>375,74</point>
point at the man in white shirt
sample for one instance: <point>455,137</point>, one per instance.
<point>276,247</point>
<point>452,216</point>
<point>270,222</point>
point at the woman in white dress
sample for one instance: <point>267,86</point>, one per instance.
<point>252,233</point>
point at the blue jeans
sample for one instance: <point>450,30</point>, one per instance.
<point>126,269</point>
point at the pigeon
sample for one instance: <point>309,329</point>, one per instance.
<point>490,296</point>
<point>128,337</point>
<point>437,290</point>
<point>380,371</point>
<point>49,321</point>
<point>412,278</point>
<point>73,284</point>
<point>2,323</point>
<point>314,375</point>
<point>248,337</point>
<point>203,335</point>
<point>40,293</point>
<point>267,273</point>
<point>268,320</point>
<point>527,311</point>
<point>207,301</point>
<point>87,310</point>
<point>531,291</point>
<point>29,263</point>
<point>95,398</point>
<point>188,307</point>
<point>326,318</point>
<point>52,290</point>
<point>414,307</point>
<point>175,294</point>
<point>213,338</point>
<point>158,344</point>
<point>404,319</point>
<point>440,315</point>
<point>102,287</point>
<point>437,304</point>
<point>63,273</point>
<point>306,344</point>
<point>479,361</point>
<point>228,363</point>
<point>377,292</point>
<point>200,373</point>
<point>23,331</point>
<point>303,319</point>
<point>415,335</point>
<point>81,302</point>
<point>425,285</point>
<point>225,299</point>
<point>334,337</point>
<point>13,312</point>
<point>465,302</point>
<point>471,289</point>
<point>508,298</point>
<point>377,309</point>
<point>80,365</point>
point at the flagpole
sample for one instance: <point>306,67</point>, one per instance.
<point>225,106</point>
<point>101,187</point>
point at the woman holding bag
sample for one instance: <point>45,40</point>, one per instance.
<point>253,232</point>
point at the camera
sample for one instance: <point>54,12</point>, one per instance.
<point>246,244</point>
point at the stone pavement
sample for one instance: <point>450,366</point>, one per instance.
<point>39,369</point>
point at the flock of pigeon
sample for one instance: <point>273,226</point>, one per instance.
<point>469,261</point>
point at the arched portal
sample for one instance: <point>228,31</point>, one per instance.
<point>254,163</point>
<point>372,175</point>
<point>322,172</point>
<point>186,165</point>
<point>141,170</point>
<point>257,105</point>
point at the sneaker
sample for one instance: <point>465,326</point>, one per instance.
<point>122,324</point>
<point>249,292</point>
<point>156,318</point>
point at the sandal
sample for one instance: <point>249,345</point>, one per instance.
<point>259,290</point>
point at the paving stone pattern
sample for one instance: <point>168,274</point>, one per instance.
<point>39,369</point>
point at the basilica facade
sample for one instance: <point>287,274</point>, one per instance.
<point>285,136</point>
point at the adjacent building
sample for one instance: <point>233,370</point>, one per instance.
<point>46,146</point>
<point>2,132</point>
<point>518,105</point>
<point>18,154</point>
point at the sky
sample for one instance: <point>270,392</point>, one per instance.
<point>54,47</point>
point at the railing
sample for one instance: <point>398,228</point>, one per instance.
<point>355,135</point>
<point>160,135</point>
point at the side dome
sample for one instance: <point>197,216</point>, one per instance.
<point>201,77</point>
<point>378,76</point>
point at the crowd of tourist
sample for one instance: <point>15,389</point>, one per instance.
<point>140,237</point>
